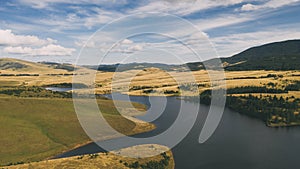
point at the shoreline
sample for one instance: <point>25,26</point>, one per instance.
<point>153,127</point>
<point>149,127</point>
<point>155,153</point>
<point>272,125</point>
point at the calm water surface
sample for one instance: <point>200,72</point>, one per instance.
<point>239,142</point>
<point>59,89</point>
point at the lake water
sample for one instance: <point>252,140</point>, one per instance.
<point>239,142</point>
<point>59,89</point>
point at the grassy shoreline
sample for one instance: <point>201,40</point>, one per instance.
<point>39,120</point>
<point>16,116</point>
<point>283,125</point>
<point>107,160</point>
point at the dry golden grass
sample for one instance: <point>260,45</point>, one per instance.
<point>42,70</point>
<point>161,80</point>
<point>151,77</point>
<point>103,160</point>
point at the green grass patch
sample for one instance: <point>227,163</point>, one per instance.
<point>33,129</point>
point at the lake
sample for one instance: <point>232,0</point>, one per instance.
<point>59,89</point>
<point>239,142</point>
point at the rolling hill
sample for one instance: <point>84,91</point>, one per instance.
<point>7,64</point>
<point>21,72</point>
<point>17,65</point>
<point>274,56</point>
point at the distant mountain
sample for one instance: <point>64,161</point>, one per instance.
<point>64,66</point>
<point>17,66</point>
<point>274,56</point>
<point>134,66</point>
<point>10,64</point>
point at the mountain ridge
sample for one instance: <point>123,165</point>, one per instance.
<point>283,55</point>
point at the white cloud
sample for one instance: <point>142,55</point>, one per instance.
<point>101,17</point>
<point>92,17</point>
<point>128,50</point>
<point>98,17</point>
<point>249,7</point>
<point>183,8</point>
<point>31,45</point>
<point>8,38</point>
<point>273,4</point>
<point>173,6</point>
<point>89,44</point>
<point>127,41</point>
<point>137,47</point>
<point>49,50</point>
<point>196,38</point>
<point>217,22</point>
<point>46,3</point>
<point>235,43</point>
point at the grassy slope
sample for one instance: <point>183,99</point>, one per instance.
<point>35,129</point>
<point>107,161</point>
<point>53,139</point>
<point>158,79</point>
<point>47,73</point>
<point>274,56</point>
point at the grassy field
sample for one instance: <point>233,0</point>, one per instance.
<point>162,81</point>
<point>19,72</point>
<point>33,129</point>
<point>102,160</point>
<point>140,80</point>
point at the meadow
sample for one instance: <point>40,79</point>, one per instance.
<point>37,124</point>
<point>34,129</point>
<point>137,82</point>
<point>104,160</point>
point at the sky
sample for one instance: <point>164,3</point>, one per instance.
<point>160,31</point>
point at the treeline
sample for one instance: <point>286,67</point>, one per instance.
<point>33,91</point>
<point>51,74</point>
<point>66,74</point>
<point>295,86</point>
<point>151,89</point>
<point>69,85</point>
<point>272,110</point>
<point>146,87</point>
<point>19,74</point>
<point>64,66</point>
<point>275,76</point>
<point>173,92</point>
<point>254,89</point>
<point>162,164</point>
<point>261,89</point>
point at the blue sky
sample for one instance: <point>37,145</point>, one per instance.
<point>56,30</point>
